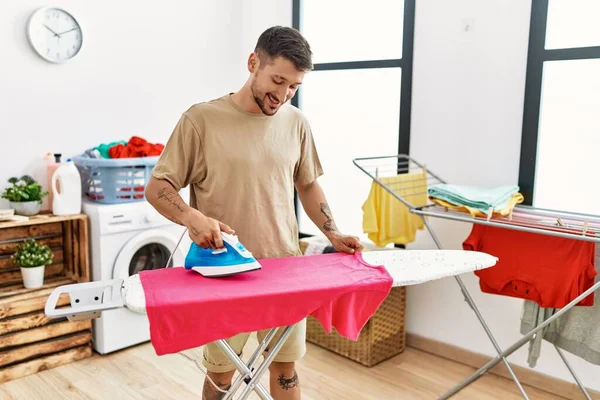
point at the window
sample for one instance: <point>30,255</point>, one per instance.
<point>357,98</point>
<point>561,122</point>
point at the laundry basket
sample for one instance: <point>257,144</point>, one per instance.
<point>113,181</point>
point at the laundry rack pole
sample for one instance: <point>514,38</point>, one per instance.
<point>524,218</point>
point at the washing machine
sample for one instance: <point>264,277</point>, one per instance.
<point>125,239</point>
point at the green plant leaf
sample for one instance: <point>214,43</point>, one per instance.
<point>30,254</point>
<point>24,189</point>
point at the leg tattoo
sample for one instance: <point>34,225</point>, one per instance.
<point>209,392</point>
<point>329,224</point>
<point>290,383</point>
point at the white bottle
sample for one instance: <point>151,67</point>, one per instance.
<point>68,200</point>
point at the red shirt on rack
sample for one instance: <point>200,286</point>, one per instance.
<point>548,270</point>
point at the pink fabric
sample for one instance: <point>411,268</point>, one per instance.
<point>187,310</point>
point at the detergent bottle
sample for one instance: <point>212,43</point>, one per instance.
<point>52,163</point>
<point>68,200</point>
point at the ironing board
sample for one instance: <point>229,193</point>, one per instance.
<point>406,267</point>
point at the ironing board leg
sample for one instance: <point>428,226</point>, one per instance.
<point>243,369</point>
<point>246,369</point>
<point>253,359</point>
<point>471,303</point>
<point>287,331</point>
<point>518,344</point>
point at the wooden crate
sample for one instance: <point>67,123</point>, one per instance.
<point>29,341</point>
<point>382,337</point>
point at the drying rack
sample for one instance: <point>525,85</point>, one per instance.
<point>524,218</point>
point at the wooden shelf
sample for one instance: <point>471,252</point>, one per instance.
<point>42,218</point>
<point>67,236</point>
<point>30,341</point>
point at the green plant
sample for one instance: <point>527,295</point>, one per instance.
<point>24,189</point>
<point>30,254</point>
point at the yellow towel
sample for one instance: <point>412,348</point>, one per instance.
<point>385,218</point>
<point>516,199</point>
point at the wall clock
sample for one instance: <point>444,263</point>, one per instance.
<point>54,34</point>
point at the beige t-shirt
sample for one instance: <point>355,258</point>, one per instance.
<point>241,168</point>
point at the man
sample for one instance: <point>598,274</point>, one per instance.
<point>242,155</point>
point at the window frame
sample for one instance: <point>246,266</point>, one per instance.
<point>405,64</point>
<point>536,57</point>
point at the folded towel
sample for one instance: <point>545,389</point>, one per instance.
<point>517,198</point>
<point>475,197</point>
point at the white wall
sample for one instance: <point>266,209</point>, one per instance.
<point>468,90</point>
<point>254,20</point>
<point>142,64</point>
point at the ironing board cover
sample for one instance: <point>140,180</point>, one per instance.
<point>186,310</point>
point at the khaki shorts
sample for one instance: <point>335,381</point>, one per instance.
<point>293,349</point>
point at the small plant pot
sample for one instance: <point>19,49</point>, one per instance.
<point>33,277</point>
<point>28,208</point>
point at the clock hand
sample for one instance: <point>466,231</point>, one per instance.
<point>74,29</point>
<point>55,34</point>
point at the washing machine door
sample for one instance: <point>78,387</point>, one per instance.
<point>146,251</point>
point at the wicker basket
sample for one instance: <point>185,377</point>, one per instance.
<point>383,337</point>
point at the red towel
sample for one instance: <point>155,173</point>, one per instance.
<point>136,147</point>
<point>187,310</point>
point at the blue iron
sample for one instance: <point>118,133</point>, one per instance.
<point>232,259</point>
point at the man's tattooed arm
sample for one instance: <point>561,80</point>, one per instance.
<point>316,207</point>
<point>329,224</point>
<point>166,200</point>
<point>172,199</point>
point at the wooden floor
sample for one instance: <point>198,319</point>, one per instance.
<point>137,373</point>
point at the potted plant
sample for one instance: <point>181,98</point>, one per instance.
<point>32,257</point>
<point>25,195</point>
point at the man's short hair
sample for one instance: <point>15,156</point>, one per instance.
<point>281,41</point>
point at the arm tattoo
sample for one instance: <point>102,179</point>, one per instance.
<point>169,196</point>
<point>174,220</point>
<point>329,224</point>
<point>290,383</point>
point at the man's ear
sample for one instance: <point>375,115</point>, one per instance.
<point>253,62</point>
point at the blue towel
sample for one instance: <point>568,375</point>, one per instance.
<point>478,197</point>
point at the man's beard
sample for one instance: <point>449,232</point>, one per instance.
<point>259,101</point>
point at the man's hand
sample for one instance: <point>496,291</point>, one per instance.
<point>205,231</point>
<point>345,243</point>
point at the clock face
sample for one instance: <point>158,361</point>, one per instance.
<point>54,34</point>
